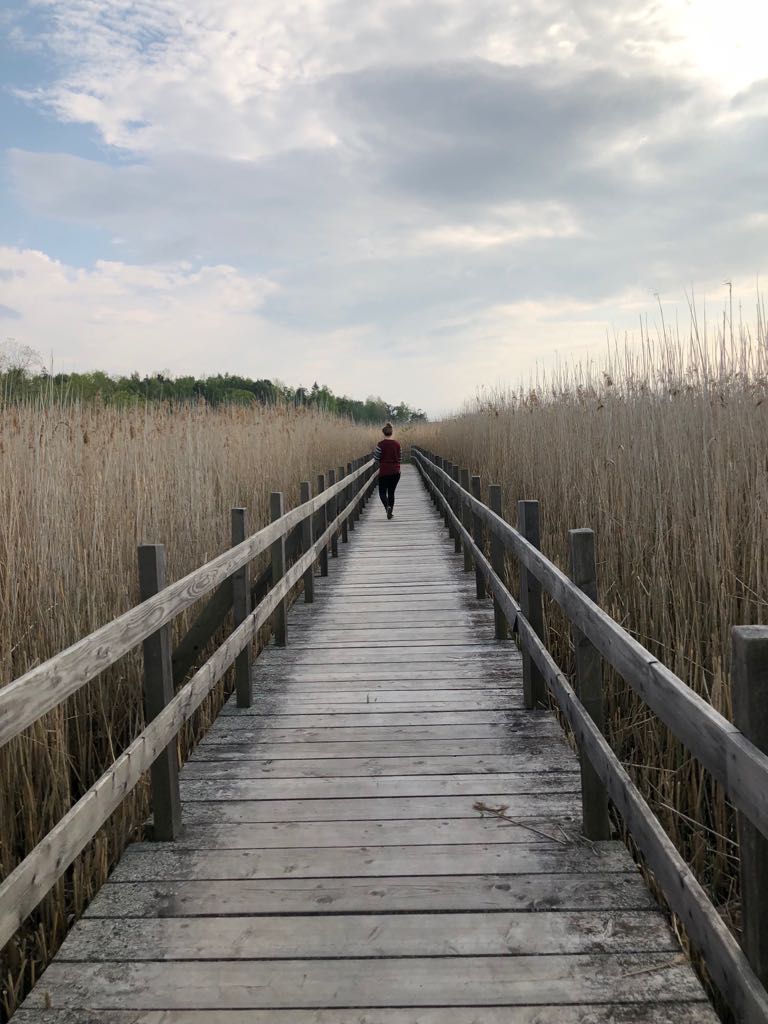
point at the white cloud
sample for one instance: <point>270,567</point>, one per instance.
<point>395,196</point>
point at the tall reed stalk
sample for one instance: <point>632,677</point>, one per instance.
<point>80,487</point>
<point>664,453</point>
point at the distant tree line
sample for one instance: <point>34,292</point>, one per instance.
<point>23,377</point>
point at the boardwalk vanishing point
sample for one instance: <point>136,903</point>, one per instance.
<point>384,837</point>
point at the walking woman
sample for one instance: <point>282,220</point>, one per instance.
<point>387,454</point>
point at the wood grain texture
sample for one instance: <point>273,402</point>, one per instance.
<point>734,761</point>
<point>334,867</point>
<point>635,1013</point>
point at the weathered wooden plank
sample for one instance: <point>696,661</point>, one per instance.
<point>534,980</point>
<point>387,832</point>
<point>635,1013</point>
<point>380,935</point>
<point>278,706</point>
<point>146,862</point>
<point>417,893</point>
<point>361,719</point>
<point>532,759</point>
<point>523,805</point>
<point>267,749</point>
<point>244,735</point>
<point>526,757</point>
<point>412,785</point>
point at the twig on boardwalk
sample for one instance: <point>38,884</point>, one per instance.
<point>676,961</point>
<point>499,812</point>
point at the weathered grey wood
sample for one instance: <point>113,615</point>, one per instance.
<point>340,474</point>
<point>531,603</point>
<point>387,832</point>
<point>243,733</point>
<point>749,686</point>
<point>478,535</point>
<point>417,981</point>
<point>522,806</point>
<point>241,603</point>
<point>737,763</point>
<point>322,522</point>
<point>333,509</point>
<point>523,758</point>
<point>589,684</point>
<point>336,850</point>
<point>210,619</point>
<point>380,935</point>
<point>466,518</point>
<point>305,489</point>
<point>477,785</point>
<point>456,506</point>
<point>147,862</point>
<point>351,719</point>
<point>728,966</point>
<point>25,886</point>
<point>277,554</point>
<point>27,698</point>
<point>351,520</point>
<point>497,561</point>
<point>158,693</point>
<point>631,1013</point>
<point>414,893</point>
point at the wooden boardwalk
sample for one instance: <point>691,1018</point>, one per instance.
<point>334,867</point>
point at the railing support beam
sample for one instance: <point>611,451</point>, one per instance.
<point>749,684</point>
<point>241,603</point>
<point>498,563</point>
<point>534,688</point>
<point>305,493</point>
<point>158,692</point>
<point>280,618</point>
<point>478,535</point>
<point>589,686</point>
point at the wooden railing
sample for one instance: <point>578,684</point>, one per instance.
<point>735,757</point>
<point>300,537</point>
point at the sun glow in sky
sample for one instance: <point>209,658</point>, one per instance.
<point>724,41</point>
<point>415,199</point>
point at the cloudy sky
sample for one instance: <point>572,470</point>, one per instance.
<point>408,197</point>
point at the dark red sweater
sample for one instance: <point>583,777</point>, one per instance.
<point>387,454</point>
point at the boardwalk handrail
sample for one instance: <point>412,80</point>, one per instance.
<point>38,691</point>
<point>723,749</point>
<point>28,883</point>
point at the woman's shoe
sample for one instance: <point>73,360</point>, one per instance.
<point>389,512</point>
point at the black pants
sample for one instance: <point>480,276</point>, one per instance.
<point>387,485</point>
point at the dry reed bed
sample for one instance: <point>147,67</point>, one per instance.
<point>80,487</point>
<point>666,458</point>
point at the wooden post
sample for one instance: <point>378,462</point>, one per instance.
<point>277,549</point>
<point>749,686</point>
<point>448,467</point>
<point>333,506</point>
<point>351,520</point>
<point>457,507</point>
<point>322,522</point>
<point>241,604</point>
<point>158,691</point>
<point>466,519</point>
<point>534,688</point>
<point>343,504</point>
<point>359,501</point>
<point>497,562</point>
<point>589,686</point>
<point>441,488</point>
<point>478,535</point>
<point>307,539</point>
